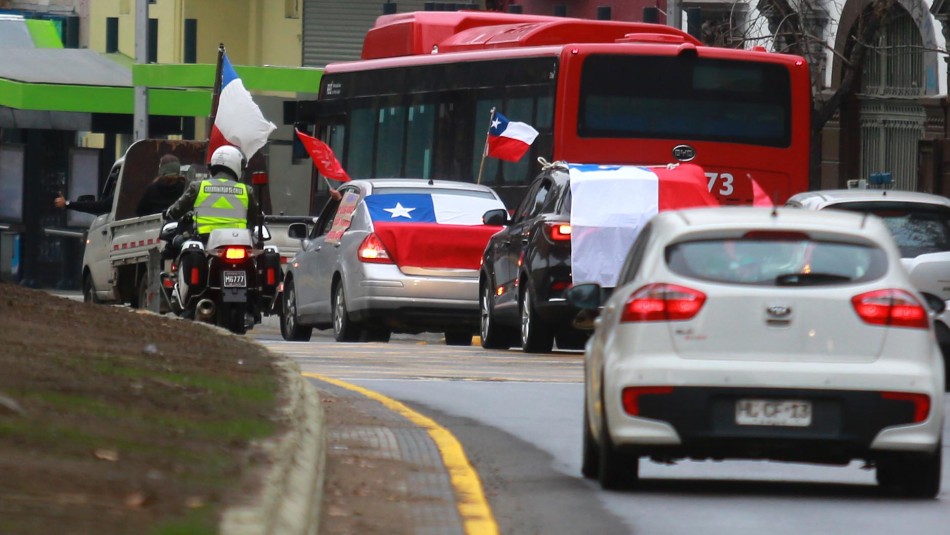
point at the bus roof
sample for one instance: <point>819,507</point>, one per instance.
<point>425,32</point>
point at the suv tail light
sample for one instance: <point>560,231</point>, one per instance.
<point>373,251</point>
<point>559,231</point>
<point>662,302</point>
<point>892,307</point>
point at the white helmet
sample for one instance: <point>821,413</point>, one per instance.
<point>230,157</point>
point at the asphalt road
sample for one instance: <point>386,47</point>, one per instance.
<point>518,418</point>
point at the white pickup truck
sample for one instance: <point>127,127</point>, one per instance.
<point>118,243</point>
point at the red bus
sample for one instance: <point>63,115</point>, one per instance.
<point>418,103</point>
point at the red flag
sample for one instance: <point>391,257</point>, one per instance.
<point>323,158</point>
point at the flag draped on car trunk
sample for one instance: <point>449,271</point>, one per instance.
<point>610,204</point>
<point>238,120</point>
<point>509,140</point>
<point>323,158</point>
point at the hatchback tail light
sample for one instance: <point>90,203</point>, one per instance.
<point>630,397</point>
<point>559,231</point>
<point>892,307</point>
<point>662,302</point>
<point>373,251</point>
<point>921,403</point>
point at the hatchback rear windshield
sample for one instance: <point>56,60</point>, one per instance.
<point>917,228</point>
<point>780,261</point>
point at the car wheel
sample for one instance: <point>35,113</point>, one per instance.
<point>88,290</point>
<point>343,329</point>
<point>916,475</point>
<point>290,327</point>
<point>618,470</point>
<point>536,336</point>
<point>456,338</point>
<point>493,336</point>
<point>590,462</point>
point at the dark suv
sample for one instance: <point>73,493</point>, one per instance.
<point>526,269</point>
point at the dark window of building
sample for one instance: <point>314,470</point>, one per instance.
<point>112,35</point>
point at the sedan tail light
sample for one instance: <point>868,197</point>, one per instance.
<point>559,231</point>
<point>373,251</point>
<point>662,302</point>
<point>892,308</point>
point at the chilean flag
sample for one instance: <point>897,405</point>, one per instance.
<point>429,208</point>
<point>238,121</point>
<point>610,204</point>
<point>509,140</point>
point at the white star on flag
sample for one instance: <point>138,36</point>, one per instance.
<point>495,123</point>
<point>399,211</point>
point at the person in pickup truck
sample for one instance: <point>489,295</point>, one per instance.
<point>100,206</point>
<point>165,189</point>
<point>221,201</point>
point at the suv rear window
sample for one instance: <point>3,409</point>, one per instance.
<point>779,261</point>
<point>917,228</point>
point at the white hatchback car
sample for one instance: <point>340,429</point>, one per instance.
<point>754,333</point>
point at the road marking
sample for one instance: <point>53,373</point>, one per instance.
<point>472,504</point>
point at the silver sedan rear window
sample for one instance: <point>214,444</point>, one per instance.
<point>776,261</point>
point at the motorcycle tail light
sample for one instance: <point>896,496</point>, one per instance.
<point>271,277</point>
<point>195,276</point>
<point>373,251</point>
<point>235,253</point>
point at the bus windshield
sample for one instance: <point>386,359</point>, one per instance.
<point>686,98</point>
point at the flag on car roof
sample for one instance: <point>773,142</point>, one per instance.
<point>428,208</point>
<point>509,140</point>
<point>323,158</point>
<point>238,120</point>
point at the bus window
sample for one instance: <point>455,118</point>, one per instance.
<point>420,139</point>
<point>359,158</point>
<point>389,148</point>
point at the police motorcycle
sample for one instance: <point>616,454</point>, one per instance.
<point>230,281</point>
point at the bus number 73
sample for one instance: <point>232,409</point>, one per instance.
<point>726,188</point>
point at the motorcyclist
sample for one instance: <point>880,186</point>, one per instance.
<point>221,201</point>
<point>218,202</point>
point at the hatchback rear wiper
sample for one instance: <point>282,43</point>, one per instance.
<point>809,279</point>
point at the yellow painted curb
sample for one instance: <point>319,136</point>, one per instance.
<point>477,517</point>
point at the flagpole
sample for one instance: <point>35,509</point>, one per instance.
<point>485,149</point>
<point>215,95</point>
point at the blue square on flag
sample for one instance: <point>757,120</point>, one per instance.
<point>401,208</point>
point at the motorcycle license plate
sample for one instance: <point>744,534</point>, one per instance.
<point>235,279</point>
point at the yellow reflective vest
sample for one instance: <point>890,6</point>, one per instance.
<point>221,203</point>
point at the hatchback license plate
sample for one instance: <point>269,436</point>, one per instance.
<point>235,279</point>
<point>774,412</point>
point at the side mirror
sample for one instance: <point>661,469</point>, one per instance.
<point>588,298</point>
<point>297,231</point>
<point>261,233</point>
<point>935,302</point>
<point>585,296</point>
<point>168,230</point>
<point>497,217</point>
